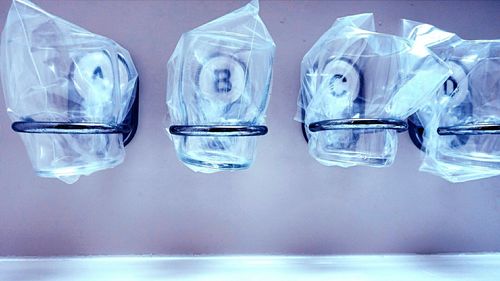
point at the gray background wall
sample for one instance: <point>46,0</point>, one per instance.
<point>286,203</point>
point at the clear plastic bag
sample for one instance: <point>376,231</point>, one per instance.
<point>357,89</point>
<point>462,122</point>
<point>56,74</point>
<point>219,80</point>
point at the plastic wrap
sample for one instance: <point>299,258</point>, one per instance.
<point>357,89</point>
<point>219,79</point>
<point>56,74</point>
<point>462,122</point>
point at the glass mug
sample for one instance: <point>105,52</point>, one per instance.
<point>458,129</point>
<point>358,88</point>
<point>69,92</point>
<point>219,84</point>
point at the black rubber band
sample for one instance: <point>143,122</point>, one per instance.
<point>359,123</point>
<point>68,128</point>
<point>472,129</point>
<point>416,133</point>
<point>218,131</point>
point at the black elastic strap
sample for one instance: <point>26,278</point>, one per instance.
<point>33,127</point>
<point>218,131</point>
<point>359,123</point>
<point>416,133</point>
<point>472,129</point>
<point>132,118</point>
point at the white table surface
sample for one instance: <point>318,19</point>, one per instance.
<point>275,268</point>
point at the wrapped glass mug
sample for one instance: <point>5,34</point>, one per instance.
<point>458,129</point>
<point>219,79</point>
<point>357,89</point>
<point>69,92</point>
